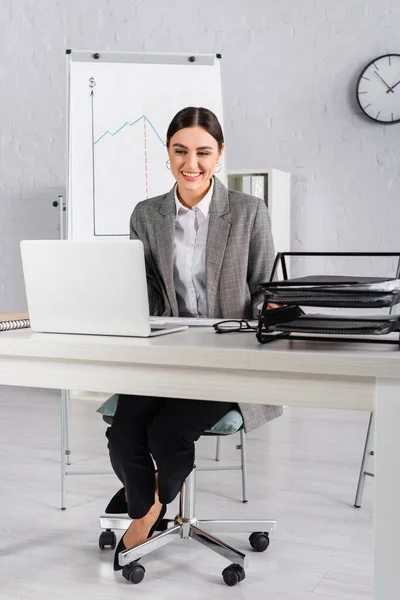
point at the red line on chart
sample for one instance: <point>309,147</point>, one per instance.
<point>145,157</point>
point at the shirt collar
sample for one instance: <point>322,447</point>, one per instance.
<point>203,205</point>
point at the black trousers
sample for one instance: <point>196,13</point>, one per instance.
<point>162,428</point>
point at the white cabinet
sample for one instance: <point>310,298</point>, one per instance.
<point>273,186</point>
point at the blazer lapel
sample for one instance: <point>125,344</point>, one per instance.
<point>217,238</point>
<point>165,236</point>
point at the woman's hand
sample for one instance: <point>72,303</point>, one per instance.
<point>272,305</point>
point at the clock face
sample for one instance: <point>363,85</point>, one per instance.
<point>378,89</point>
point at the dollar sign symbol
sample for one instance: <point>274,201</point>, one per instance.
<point>92,82</point>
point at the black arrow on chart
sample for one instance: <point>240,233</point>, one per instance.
<point>92,84</point>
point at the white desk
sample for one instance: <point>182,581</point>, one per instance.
<point>198,363</point>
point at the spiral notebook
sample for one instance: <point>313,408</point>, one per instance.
<point>14,320</point>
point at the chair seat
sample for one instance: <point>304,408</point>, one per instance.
<point>230,423</point>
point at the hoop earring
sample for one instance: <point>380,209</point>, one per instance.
<point>168,165</point>
<point>217,165</point>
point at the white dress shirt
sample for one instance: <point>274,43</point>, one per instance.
<point>191,227</point>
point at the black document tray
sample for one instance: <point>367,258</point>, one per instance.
<point>349,325</point>
<point>334,291</point>
<point>328,328</point>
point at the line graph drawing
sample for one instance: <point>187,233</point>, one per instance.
<point>127,124</point>
<point>125,160</point>
<point>146,121</point>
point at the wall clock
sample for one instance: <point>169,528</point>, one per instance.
<point>378,89</point>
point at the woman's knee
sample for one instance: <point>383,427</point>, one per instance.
<point>167,443</point>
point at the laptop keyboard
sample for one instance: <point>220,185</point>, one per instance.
<point>162,322</point>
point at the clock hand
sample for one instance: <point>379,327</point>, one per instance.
<point>393,86</point>
<point>389,89</point>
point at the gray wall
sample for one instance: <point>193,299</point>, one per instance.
<point>289,72</point>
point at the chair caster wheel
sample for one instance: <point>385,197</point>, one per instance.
<point>233,574</point>
<point>134,572</point>
<point>107,539</point>
<point>259,540</point>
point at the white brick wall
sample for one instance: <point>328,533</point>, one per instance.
<point>289,70</point>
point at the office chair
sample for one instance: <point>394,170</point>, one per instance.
<point>186,526</point>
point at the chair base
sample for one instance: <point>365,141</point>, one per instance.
<point>190,528</point>
<point>186,526</point>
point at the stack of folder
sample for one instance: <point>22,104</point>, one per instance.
<point>329,291</point>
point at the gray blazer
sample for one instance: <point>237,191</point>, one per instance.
<point>239,255</point>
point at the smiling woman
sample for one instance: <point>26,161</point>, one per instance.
<point>207,248</point>
<point>195,144</point>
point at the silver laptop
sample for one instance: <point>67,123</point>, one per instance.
<point>94,287</point>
